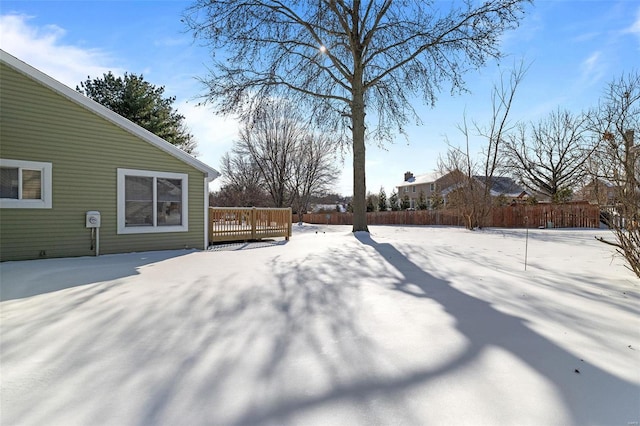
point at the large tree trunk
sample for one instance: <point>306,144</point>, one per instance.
<point>359,181</point>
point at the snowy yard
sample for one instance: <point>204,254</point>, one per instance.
<point>407,326</point>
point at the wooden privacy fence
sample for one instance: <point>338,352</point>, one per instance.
<point>418,217</point>
<point>578,215</point>
<point>243,224</point>
<point>582,215</point>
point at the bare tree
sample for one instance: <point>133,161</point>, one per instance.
<point>472,179</point>
<point>233,196</point>
<point>242,184</point>
<point>277,151</point>
<point>617,122</point>
<point>495,134</point>
<point>342,58</point>
<point>463,192</point>
<point>550,157</point>
<point>269,139</point>
<point>314,170</point>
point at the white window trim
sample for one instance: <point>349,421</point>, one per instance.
<point>46,202</point>
<point>122,229</point>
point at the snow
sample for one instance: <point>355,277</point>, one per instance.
<point>405,326</point>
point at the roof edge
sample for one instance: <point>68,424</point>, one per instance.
<point>93,106</point>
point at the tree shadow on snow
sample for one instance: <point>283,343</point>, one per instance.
<point>213,350</point>
<point>482,326</point>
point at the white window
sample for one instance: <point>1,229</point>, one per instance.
<point>151,201</point>
<point>406,189</point>
<point>432,186</point>
<point>413,188</point>
<point>25,184</point>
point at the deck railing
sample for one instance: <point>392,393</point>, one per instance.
<point>244,224</point>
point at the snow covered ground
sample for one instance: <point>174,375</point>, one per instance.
<point>407,326</point>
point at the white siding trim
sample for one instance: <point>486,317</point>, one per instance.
<point>206,213</point>
<point>46,202</point>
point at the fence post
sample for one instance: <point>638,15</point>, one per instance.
<point>253,223</point>
<point>210,227</point>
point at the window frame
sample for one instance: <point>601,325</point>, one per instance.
<point>46,185</point>
<point>154,228</point>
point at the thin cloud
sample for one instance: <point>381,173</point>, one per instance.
<point>172,41</point>
<point>586,37</point>
<point>591,62</point>
<point>592,69</point>
<point>214,134</point>
<point>635,26</point>
<point>44,48</point>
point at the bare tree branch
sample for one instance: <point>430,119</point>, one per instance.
<point>616,123</point>
<point>340,59</point>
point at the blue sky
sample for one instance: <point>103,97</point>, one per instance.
<point>574,47</point>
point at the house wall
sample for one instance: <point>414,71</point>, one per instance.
<point>599,192</point>
<point>414,196</point>
<point>39,124</point>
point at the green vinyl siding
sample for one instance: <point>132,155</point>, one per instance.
<point>85,150</point>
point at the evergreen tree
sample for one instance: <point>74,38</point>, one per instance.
<point>382,200</point>
<point>422,201</point>
<point>563,195</point>
<point>405,202</point>
<point>143,103</point>
<point>437,202</point>
<point>372,202</point>
<point>393,201</point>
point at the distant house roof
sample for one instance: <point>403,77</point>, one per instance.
<point>420,179</point>
<point>502,185</point>
<point>602,181</point>
<point>106,113</point>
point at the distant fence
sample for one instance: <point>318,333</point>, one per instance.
<point>578,215</point>
<point>243,224</point>
<point>581,215</point>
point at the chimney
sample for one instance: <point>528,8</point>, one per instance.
<point>407,176</point>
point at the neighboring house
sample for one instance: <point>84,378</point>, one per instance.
<point>442,185</point>
<point>499,187</point>
<point>413,185</point>
<point>598,191</point>
<point>62,155</point>
<point>319,208</point>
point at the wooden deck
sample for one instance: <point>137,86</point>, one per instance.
<point>244,224</point>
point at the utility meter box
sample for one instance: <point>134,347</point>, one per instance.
<point>93,219</point>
